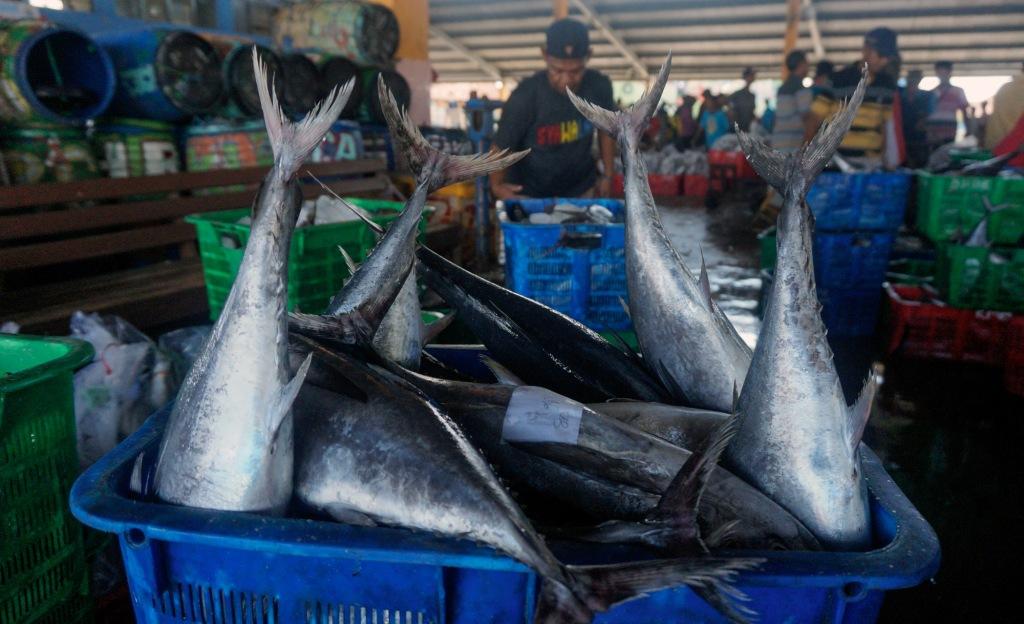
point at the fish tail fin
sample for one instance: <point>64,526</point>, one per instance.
<point>678,506</point>
<point>629,124</point>
<point>431,165</point>
<point>776,168</point>
<point>604,586</point>
<point>292,142</point>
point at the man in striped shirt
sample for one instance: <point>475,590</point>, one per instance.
<point>792,105</point>
<point>865,142</point>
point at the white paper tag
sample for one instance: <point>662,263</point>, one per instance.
<point>540,415</point>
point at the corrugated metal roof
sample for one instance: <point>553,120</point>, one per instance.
<point>484,40</point>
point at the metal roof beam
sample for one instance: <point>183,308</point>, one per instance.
<point>485,66</point>
<point>612,37</point>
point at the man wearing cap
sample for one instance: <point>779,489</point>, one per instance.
<point>539,116</point>
<point>865,141</point>
<point>743,102</point>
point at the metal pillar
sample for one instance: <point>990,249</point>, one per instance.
<point>480,127</point>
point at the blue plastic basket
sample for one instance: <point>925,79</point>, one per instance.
<point>846,312</point>
<point>577,269</point>
<point>851,260</point>
<point>193,565</point>
<point>863,201</point>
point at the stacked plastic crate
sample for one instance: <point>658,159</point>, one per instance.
<point>856,218</point>
<point>970,308</point>
<point>578,269</point>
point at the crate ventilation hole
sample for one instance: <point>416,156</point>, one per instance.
<point>195,603</point>
<point>320,613</point>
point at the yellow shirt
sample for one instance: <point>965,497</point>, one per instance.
<point>866,137</point>
<point>1007,108</point>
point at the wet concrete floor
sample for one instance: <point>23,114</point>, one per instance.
<point>948,434</point>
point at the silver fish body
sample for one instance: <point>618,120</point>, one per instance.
<point>684,336</point>
<point>400,335</point>
<point>797,440</point>
<point>614,452</point>
<point>228,442</point>
<point>686,427</point>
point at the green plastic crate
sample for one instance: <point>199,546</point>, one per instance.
<point>980,278</point>
<point>316,269</point>
<point>950,206</point>
<point>767,241</point>
<point>912,271</point>
<point>42,565</point>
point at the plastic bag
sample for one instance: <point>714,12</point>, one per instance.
<point>9,327</point>
<point>127,381</point>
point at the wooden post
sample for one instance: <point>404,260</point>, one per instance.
<point>792,32</point>
<point>561,8</point>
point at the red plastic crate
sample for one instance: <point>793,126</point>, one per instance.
<point>662,185</point>
<point>1013,372</point>
<point>919,327</point>
<point>695,186</point>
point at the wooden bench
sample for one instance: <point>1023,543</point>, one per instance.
<point>86,246</point>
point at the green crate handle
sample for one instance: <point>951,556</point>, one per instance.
<point>79,353</point>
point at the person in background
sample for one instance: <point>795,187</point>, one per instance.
<point>793,105</point>
<point>949,99</point>
<point>687,123</point>
<point>865,142</point>
<point>916,106</point>
<point>714,123</point>
<point>1007,111</point>
<point>822,77</point>
<point>743,102</point>
<point>539,116</point>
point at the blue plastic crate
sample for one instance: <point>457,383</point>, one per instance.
<point>194,565</point>
<point>862,201</point>
<point>850,312</point>
<point>577,269</point>
<point>851,260</point>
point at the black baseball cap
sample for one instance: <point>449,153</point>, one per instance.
<point>883,41</point>
<point>567,39</point>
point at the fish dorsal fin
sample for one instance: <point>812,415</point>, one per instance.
<point>682,497</point>
<point>350,264</point>
<point>283,404</point>
<point>502,374</point>
<point>705,283</point>
<point>860,411</point>
<point>356,210</point>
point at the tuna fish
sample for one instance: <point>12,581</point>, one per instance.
<point>797,440</point>
<point>684,336</point>
<point>568,433</point>
<point>537,343</point>
<point>228,443</point>
<point>687,427</point>
<point>357,466</point>
<point>357,311</point>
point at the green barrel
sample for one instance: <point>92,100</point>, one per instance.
<point>132,148</point>
<point>364,32</point>
<point>45,152</point>
<point>53,74</point>
<point>227,146</point>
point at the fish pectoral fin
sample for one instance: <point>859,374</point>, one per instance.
<point>347,515</point>
<point>283,405</point>
<point>428,333</point>
<point>502,374</point>
<point>860,411</point>
<point>678,505</point>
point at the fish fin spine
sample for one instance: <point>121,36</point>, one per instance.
<point>502,374</point>
<point>430,332</point>
<point>291,142</point>
<point>629,124</point>
<point>860,412</point>
<point>432,166</point>
<point>283,405</point>
<point>705,283</point>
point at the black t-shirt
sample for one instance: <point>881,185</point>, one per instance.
<point>537,117</point>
